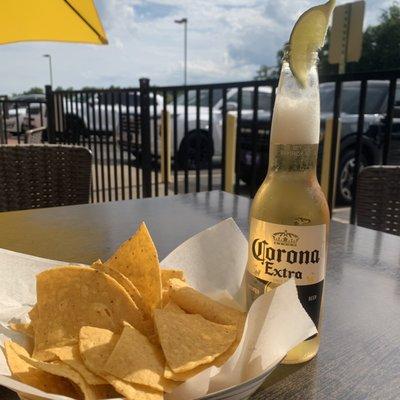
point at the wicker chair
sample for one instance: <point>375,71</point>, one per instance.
<point>34,136</point>
<point>36,176</point>
<point>378,198</point>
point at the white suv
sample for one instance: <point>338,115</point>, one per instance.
<point>201,145</point>
<point>198,137</point>
<point>102,114</point>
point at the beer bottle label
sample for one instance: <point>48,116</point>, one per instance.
<point>280,252</point>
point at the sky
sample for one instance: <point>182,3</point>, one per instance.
<point>227,41</point>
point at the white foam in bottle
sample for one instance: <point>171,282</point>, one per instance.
<point>296,118</point>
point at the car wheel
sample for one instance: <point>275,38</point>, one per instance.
<point>74,129</point>
<point>345,179</point>
<point>196,150</point>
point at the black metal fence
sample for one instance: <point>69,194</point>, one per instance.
<point>125,129</point>
<point>16,114</point>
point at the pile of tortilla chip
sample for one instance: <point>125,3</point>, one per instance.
<point>124,327</point>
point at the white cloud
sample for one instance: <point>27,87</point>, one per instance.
<point>228,40</point>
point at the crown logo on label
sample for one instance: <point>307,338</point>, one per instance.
<point>285,238</point>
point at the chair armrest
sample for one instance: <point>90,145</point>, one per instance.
<point>34,135</point>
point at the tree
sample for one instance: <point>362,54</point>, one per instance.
<point>34,90</point>
<point>323,65</point>
<point>265,72</point>
<point>381,43</point>
<point>60,89</point>
<point>381,46</point>
<point>90,88</point>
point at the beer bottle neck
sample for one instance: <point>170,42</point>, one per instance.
<point>295,124</point>
<point>294,158</point>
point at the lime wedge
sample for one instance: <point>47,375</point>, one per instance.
<point>308,36</point>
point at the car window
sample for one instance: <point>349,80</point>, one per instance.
<point>19,104</point>
<point>30,98</point>
<point>204,98</point>
<point>264,100</point>
<point>376,96</point>
<point>247,99</point>
<point>120,97</point>
<point>397,97</point>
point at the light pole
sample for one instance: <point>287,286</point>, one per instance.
<point>184,21</point>
<point>51,68</point>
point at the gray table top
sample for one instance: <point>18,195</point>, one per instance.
<point>359,356</point>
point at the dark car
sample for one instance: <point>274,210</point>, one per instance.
<point>373,136</point>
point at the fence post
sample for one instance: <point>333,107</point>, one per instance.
<point>230,152</point>
<point>3,132</point>
<point>359,147</point>
<point>333,158</point>
<point>328,182</point>
<point>165,145</point>
<point>50,114</point>
<point>145,135</point>
<point>389,120</point>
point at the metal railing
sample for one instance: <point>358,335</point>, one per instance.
<point>126,130</point>
<point>17,116</point>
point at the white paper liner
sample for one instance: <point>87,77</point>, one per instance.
<point>214,262</point>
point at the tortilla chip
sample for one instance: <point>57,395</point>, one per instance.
<point>96,346</point>
<point>71,297</point>
<point>136,360</point>
<point>195,302</point>
<point>153,339</point>
<point>223,358</point>
<point>28,396</point>
<point>58,368</point>
<point>123,281</point>
<point>137,259</point>
<point>184,376</point>
<point>189,340</point>
<point>167,274</point>
<point>219,361</point>
<point>134,392</point>
<point>165,296</point>
<point>32,376</point>
<point>173,307</point>
<point>106,391</point>
<point>44,355</point>
<point>33,315</point>
<point>70,355</point>
<point>21,327</point>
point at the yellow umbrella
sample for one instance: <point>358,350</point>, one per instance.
<point>50,20</point>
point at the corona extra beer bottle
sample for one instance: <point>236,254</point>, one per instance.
<point>289,215</point>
